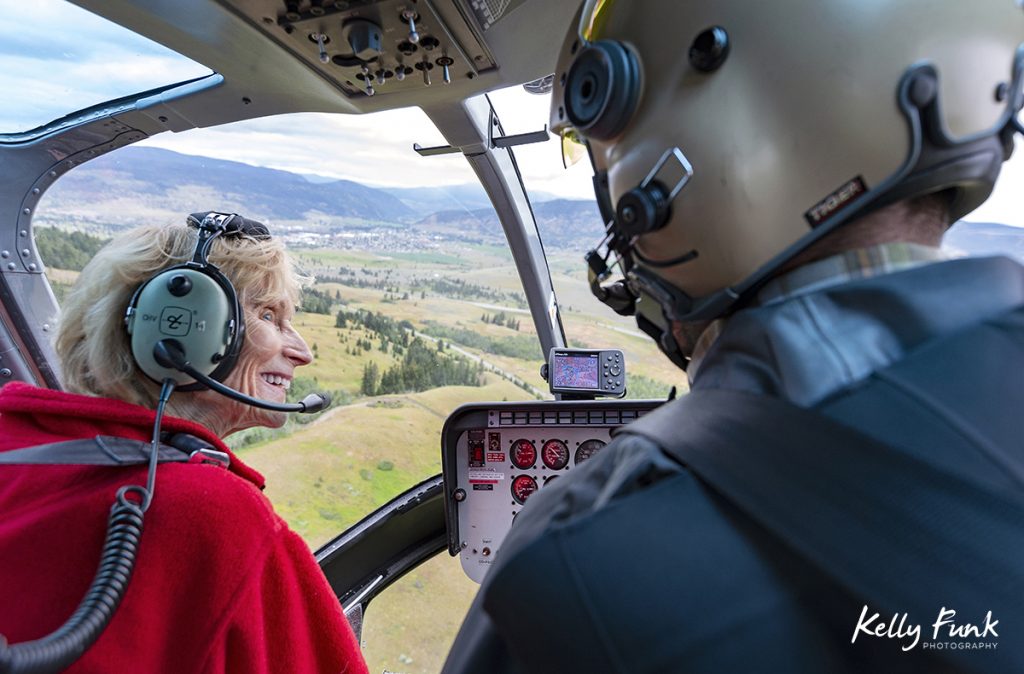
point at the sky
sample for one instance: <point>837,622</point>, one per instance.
<point>60,58</point>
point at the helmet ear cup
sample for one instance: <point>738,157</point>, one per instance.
<point>197,307</point>
<point>602,89</point>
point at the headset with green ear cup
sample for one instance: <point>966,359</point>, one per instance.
<point>194,306</point>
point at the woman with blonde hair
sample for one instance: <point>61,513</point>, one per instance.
<point>220,583</point>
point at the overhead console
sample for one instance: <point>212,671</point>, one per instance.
<point>377,47</point>
<point>495,456</point>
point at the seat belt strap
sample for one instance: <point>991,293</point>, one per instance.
<point>106,450</point>
<point>870,516</point>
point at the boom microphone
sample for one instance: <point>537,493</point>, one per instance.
<point>168,353</point>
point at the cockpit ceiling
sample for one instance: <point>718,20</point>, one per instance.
<point>353,55</point>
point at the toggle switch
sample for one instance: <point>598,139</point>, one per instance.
<point>367,80</point>
<point>411,17</point>
<point>425,67</point>
<point>321,44</point>
<point>445,62</point>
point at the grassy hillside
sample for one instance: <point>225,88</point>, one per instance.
<point>326,476</point>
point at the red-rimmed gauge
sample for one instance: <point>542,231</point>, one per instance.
<point>522,487</point>
<point>587,449</point>
<point>523,454</point>
<point>555,454</point>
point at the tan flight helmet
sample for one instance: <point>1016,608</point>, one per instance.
<point>728,135</point>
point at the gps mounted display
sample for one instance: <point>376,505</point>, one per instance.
<point>586,371</point>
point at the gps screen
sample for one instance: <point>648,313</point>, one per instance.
<point>576,371</point>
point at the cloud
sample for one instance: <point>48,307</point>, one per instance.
<point>375,149</point>
<point>58,58</point>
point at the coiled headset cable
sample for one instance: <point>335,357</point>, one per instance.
<point>58,650</point>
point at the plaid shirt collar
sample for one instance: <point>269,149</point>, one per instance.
<point>814,276</point>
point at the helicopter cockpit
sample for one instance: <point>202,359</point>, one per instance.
<point>401,150</point>
<point>333,122</point>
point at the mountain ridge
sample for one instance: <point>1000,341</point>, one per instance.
<point>144,184</point>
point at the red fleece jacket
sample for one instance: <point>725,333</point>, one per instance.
<point>221,584</point>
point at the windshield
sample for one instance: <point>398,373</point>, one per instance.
<point>570,224</point>
<point>60,58</point>
<point>415,308</point>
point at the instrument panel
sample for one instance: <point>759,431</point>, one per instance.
<point>495,456</point>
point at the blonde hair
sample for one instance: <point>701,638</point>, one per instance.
<point>92,343</point>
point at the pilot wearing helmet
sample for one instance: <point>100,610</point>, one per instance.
<point>843,488</point>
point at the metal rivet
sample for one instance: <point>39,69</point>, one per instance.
<point>5,254</point>
<point>53,174</point>
<point>6,373</point>
<point>10,266</point>
<point>32,266</point>
<point>46,327</point>
<point>26,211</point>
<point>163,119</point>
<point>23,232</point>
<point>26,252</point>
<point>36,190</point>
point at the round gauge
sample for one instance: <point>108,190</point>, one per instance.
<point>555,454</point>
<point>550,478</point>
<point>587,449</point>
<point>522,487</point>
<point>523,454</point>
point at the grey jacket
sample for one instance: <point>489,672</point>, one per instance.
<point>632,564</point>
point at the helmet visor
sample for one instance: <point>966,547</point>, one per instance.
<point>593,19</point>
<point>574,147</point>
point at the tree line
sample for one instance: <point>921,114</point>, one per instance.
<point>318,301</point>
<point>515,346</point>
<point>66,250</point>
<point>423,367</point>
<point>501,318</point>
